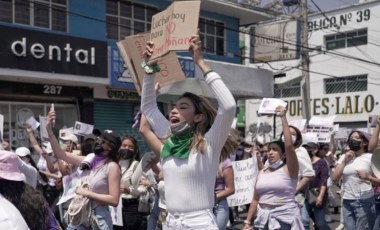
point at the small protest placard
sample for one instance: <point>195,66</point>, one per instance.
<point>65,132</point>
<point>132,48</point>
<point>1,126</point>
<point>32,123</point>
<point>245,173</point>
<point>299,124</point>
<point>70,183</point>
<point>269,105</point>
<point>82,129</point>
<point>116,213</point>
<point>323,132</point>
<point>342,133</point>
<point>322,121</point>
<point>372,121</point>
<point>43,132</point>
<point>172,28</point>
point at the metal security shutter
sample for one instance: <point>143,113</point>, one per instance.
<point>117,116</point>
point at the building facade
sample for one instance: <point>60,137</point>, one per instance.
<point>344,70</point>
<point>64,52</point>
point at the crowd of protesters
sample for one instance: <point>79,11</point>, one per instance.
<point>189,175</point>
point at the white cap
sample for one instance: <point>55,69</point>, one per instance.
<point>70,137</point>
<point>22,151</point>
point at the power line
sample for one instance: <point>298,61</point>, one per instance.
<point>225,27</point>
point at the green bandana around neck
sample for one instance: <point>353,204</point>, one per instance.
<point>178,146</point>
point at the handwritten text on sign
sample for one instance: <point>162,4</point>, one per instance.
<point>172,28</point>
<point>245,173</point>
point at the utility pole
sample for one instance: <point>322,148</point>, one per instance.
<point>305,61</point>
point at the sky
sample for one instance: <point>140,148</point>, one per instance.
<point>323,4</point>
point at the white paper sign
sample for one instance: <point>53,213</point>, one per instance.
<point>309,137</point>
<point>66,132</point>
<point>82,129</point>
<point>245,173</point>
<point>322,121</point>
<point>299,124</point>
<point>323,132</point>
<point>269,105</point>
<point>342,133</point>
<point>372,121</point>
<point>32,123</point>
<point>116,214</point>
<point>1,126</point>
<point>43,132</point>
<point>70,183</point>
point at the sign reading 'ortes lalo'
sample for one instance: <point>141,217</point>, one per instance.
<point>172,28</point>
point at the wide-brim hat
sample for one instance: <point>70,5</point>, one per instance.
<point>9,163</point>
<point>375,163</point>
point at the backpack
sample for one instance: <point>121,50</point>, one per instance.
<point>80,210</point>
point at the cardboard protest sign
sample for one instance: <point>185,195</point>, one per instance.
<point>172,28</point>
<point>82,129</point>
<point>245,173</point>
<point>132,48</point>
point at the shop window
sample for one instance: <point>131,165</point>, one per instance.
<point>213,36</point>
<point>347,39</point>
<point>346,84</point>
<point>49,14</point>
<point>16,113</point>
<point>125,18</point>
<point>288,91</point>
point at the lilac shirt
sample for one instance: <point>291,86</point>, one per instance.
<point>275,188</point>
<point>321,174</point>
<point>220,183</point>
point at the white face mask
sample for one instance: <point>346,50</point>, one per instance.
<point>294,139</point>
<point>181,128</point>
<point>276,164</point>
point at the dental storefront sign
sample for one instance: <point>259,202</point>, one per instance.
<point>49,52</point>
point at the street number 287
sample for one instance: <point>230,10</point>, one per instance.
<point>52,89</point>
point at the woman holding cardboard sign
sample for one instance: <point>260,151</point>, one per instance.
<point>190,157</point>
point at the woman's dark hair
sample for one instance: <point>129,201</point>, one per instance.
<point>29,201</point>
<point>298,142</point>
<point>134,141</point>
<point>363,136</point>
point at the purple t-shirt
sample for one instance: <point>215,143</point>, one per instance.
<point>219,183</point>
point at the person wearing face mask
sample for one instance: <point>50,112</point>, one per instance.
<point>103,175</point>
<point>316,209</point>
<point>129,159</point>
<point>273,203</point>
<point>190,156</point>
<point>354,167</point>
